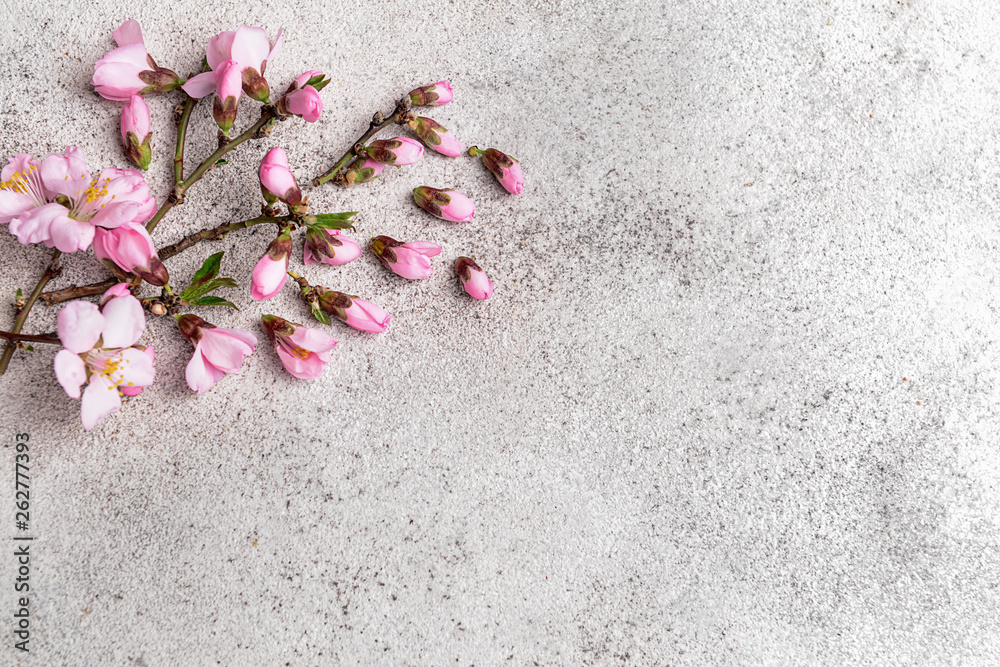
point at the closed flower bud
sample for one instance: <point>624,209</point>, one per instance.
<point>228,89</point>
<point>505,168</point>
<point>409,260</point>
<point>329,246</point>
<point>302,97</point>
<point>473,278</point>
<point>353,311</point>
<point>362,170</point>
<point>399,152</point>
<point>445,204</point>
<point>277,182</point>
<point>303,351</point>
<point>130,247</point>
<point>435,94</point>
<point>269,275</point>
<point>136,132</point>
<point>436,136</point>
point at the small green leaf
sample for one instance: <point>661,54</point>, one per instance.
<point>208,270</point>
<point>195,291</point>
<point>332,220</point>
<point>213,301</point>
<point>221,161</point>
<point>29,348</point>
<point>320,315</point>
<point>318,82</point>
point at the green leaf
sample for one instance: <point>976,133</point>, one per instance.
<point>208,270</point>
<point>195,291</point>
<point>221,161</point>
<point>320,315</point>
<point>332,220</point>
<point>318,82</point>
<point>213,301</point>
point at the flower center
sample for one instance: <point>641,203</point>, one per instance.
<point>90,201</point>
<point>107,363</point>
<point>26,182</point>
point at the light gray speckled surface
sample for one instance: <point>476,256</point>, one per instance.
<point>733,403</point>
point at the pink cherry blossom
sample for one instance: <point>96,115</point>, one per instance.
<point>250,48</point>
<point>329,246</point>
<point>117,325</point>
<point>399,152</point>
<point>303,351</point>
<point>409,260</point>
<point>269,275</point>
<point>136,132</point>
<point>56,202</point>
<point>129,70</point>
<point>216,351</point>
<point>277,182</point>
<point>435,94</point>
<point>130,247</point>
<point>358,313</point>
<point>445,204</point>
<point>473,278</point>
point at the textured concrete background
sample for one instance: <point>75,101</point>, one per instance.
<point>733,403</point>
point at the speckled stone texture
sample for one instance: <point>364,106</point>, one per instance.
<point>733,403</point>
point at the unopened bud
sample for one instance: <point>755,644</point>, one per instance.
<point>435,94</point>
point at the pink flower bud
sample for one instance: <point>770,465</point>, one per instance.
<point>330,247</point>
<point>269,275</point>
<point>305,103</point>
<point>130,247</point>
<point>136,133</point>
<point>473,278</point>
<point>436,136</point>
<point>303,351</point>
<point>505,168</point>
<point>435,94</point>
<point>228,89</point>
<point>409,260</point>
<point>400,151</point>
<point>445,204</point>
<point>362,170</point>
<point>277,182</point>
<point>216,351</point>
<point>353,311</point>
<point>129,70</point>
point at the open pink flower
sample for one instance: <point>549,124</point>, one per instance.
<point>409,260</point>
<point>216,351</point>
<point>129,70</point>
<point>445,204</point>
<point>130,247</point>
<point>435,94</point>
<point>329,246</point>
<point>269,275</point>
<point>358,313</point>
<point>99,351</point>
<point>473,278</point>
<point>250,48</point>
<point>56,202</point>
<point>303,351</point>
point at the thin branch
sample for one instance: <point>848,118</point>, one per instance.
<point>377,124</point>
<point>22,314</point>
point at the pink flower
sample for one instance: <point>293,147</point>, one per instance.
<point>56,202</point>
<point>400,151</point>
<point>505,168</point>
<point>130,247</point>
<point>445,204</point>
<point>302,97</point>
<point>329,246</point>
<point>409,260</point>
<point>277,182</point>
<point>269,275</point>
<point>228,88</point>
<point>303,351</point>
<point>353,311</point>
<point>116,327</point>
<point>216,351</point>
<point>129,70</point>
<point>362,170</point>
<point>251,50</point>
<point>473,278</point>
<point>435,94</point>
<point>136,131</point>
<point>436,136</point>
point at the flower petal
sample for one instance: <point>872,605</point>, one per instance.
<point>100,399</point>
<point>279,41</point>
<point>70,235</point>
<point>35,225</point>
<point>312,340</point>
<point>13,204</point>
<point>135,368</point>
<point>79,326</point>
<point>307,368</point>
<point>223,351</point>
<point>200,375</point>
<point>220,48</point>
<point>128,32</point>
<point>71,372</point>
<point>115,214</point>
<point>124,322</point>
<point>250,46</point>
<point>201,85</point>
